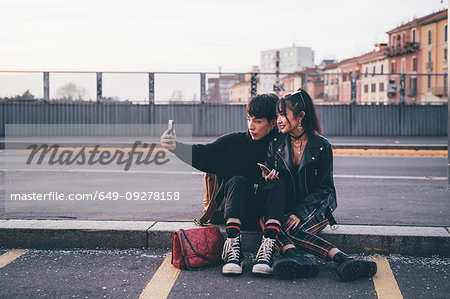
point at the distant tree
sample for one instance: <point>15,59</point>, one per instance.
<point>177,95</point>
<point>70,91</point>
<point>26,96</point>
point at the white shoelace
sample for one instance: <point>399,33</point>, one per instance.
<point>231,249</point>
<point>265,250</point>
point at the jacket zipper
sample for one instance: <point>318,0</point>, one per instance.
<point>290,173</point>
<point>306,185</point>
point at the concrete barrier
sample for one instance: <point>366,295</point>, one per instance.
<point>59,234</point>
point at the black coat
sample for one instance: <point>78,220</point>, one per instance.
<point>234,154</point>
<point>315,175</point>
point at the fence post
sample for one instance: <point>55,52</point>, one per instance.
<point>353,78</point>
<point>99,86</point>
<point>448,134</point>
<point>402,88</point>
<point>202,87</point>
<point>46,86</point>
<point>151,88</point>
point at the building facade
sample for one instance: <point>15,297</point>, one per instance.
<point>434,52</point>
<point>331,82</point>
<point>285,60</point>
<point>417,54</point>
<point>219,88</point>
<point>374,78</point>
<point>241,92</point>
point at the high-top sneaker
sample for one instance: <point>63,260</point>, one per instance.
<point>264,257</point>
<point>232,256</point>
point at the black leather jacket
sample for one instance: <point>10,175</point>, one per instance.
<point>315,174</point>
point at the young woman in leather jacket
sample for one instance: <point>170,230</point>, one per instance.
<point>302,161</point>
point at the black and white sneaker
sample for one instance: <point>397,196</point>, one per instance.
<point>264,257</point>
<point>232,256</point>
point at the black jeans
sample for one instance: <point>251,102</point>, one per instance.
<point>243,202</point>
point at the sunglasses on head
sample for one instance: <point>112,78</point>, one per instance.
<point>299,93</point>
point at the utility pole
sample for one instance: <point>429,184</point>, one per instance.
<point>277,87</point>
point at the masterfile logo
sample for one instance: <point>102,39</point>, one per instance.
<point>83,155</point>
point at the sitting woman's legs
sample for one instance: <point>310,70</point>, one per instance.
<point>304,238</point>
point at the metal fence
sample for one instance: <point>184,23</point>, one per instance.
<point>326,86</point>
<point>216,119</point>
<point>349,104</point>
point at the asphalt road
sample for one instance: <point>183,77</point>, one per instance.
<point>385,190</point>
<point>125,274</point>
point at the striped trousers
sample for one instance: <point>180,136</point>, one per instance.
<point>304,236</point>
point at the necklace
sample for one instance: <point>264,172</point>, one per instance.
<point>297,137</point>
<point>297,142</point>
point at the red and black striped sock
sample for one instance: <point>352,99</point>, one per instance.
<point>233,229</point>
<point>271,230</point>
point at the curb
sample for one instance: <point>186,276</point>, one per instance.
<point>59,234</point>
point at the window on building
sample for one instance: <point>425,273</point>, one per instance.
<point>412,91</point>
<point>445,53</point>
<point>429,37</point>
<point>381,87</point>
<point>382,68</point>
<point>344,76</point>
<point>366,88</point>
<point>413,83</point>
<point>393,41</point>
<point>429,81</point>
<point>393,67</point>
<point>414,36</point>
<point>373,71</point>
<point>403,37</point>
<point>429,56</point>
<point>445,82</point>
<point>367,71</point>
<point>414,64</point>
<point>445,33</point>
<point>373,88</point>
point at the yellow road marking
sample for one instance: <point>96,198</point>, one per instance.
<point>384,281</point>
<point>390,152</point>
<point>11,255</point>
<point>162,282</point>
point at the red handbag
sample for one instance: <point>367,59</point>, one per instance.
<point>197,247</point>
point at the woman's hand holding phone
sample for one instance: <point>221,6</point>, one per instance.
<point>268,174</point>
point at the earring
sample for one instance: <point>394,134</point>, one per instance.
<point>299,127</point>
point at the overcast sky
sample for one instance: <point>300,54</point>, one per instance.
<point>180,35</point>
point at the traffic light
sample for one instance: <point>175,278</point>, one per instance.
<point>278,87</point>
<point>253,84</point>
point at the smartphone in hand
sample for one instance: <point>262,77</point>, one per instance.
<point>171,126</point>
<point>264,168</point>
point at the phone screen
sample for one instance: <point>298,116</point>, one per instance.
<point>171,126</point>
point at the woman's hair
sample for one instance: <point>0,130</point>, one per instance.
<point>298,102</point>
